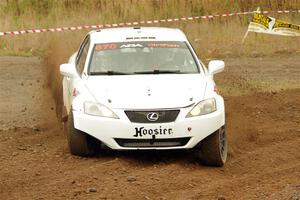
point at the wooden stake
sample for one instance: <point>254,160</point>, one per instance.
<point>246,34</point>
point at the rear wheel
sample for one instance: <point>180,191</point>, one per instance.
<point>80,143</point>
<point>213,149</point>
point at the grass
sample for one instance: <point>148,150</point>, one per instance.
<point>217,37</point>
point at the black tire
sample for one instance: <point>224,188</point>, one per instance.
<point>213,149</point>
<point>80,143</point>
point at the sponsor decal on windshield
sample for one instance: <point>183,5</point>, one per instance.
<point>100,47</point>
<point>123,45</point>
<point>163,45</point>
<point>131,46</point>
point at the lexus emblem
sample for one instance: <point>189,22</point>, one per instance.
<point>152,116</point>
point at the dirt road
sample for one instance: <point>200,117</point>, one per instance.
<point>263,119</point>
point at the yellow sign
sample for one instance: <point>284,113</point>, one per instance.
<point>264,24</point>
<point>261,19</point>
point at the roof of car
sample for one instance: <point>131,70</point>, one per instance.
<point>136,34</point>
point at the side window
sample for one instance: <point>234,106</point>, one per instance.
<point>82,54</point>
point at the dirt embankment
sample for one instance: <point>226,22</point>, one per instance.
<point>264,138</point>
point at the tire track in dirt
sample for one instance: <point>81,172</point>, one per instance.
<point>264,160</point>
<point>25,97</point>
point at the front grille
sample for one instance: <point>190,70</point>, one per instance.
<point>163,116</point>
<point>136,143</point>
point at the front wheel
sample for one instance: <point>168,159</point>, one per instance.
<point>80,143</point>
<point>213,149</point>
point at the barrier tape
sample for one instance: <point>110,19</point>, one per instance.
<point>101,26</point>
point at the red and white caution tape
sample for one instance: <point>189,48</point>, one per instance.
<point>137,23</point>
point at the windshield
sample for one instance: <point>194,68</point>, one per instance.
<point>142,58</point>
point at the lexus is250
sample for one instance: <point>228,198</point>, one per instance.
<point>143,88</point>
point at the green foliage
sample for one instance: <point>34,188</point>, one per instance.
<point>41,11</point>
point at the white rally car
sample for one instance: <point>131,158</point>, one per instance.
<point>143,88</point>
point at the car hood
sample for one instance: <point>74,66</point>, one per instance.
<point>147,91</point>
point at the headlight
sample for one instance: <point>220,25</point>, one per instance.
<point>203,107</point>
<point>98,109</point>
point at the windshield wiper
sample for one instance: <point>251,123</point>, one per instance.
<point>109,73</point>
<point>156,71</point>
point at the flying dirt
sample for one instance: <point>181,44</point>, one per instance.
<point>263,121</point>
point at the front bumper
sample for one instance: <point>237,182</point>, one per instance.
<point>185,133</point>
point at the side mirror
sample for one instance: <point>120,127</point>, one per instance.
<point>215,66</point>
<point>68,70</point>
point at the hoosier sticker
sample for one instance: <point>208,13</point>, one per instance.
<point>142,131</point>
